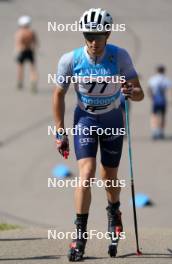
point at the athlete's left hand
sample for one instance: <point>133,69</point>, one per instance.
<point>128,90</point>
<point>132,90</point>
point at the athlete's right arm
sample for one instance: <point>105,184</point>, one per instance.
<point>62,142</point>
<point>59,106</point>
<point>64,71</point>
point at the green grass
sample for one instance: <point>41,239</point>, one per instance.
<point>5,226</point>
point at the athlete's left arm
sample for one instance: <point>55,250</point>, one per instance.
<point>132,87</point>
<point>133,90</point>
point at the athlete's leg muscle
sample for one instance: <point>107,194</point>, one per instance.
<point>113,191</point>
<point>87,168</point>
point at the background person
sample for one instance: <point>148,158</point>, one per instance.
<point>25,46</point>
<point>158,85</point>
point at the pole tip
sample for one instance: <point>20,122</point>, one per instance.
<point>138,253</point>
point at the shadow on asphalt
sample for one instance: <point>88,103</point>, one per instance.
<point>133,255</point>
<point>20,239</point>
<point>31,258</point>
<point>148,255</point>
<point>130,255</point>
<point>90,257</point>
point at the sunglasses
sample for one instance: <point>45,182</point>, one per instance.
<point>97,36</point>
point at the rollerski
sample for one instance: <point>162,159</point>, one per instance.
<point>114,228</point>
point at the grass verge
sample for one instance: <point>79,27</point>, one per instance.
<point>5,226</point>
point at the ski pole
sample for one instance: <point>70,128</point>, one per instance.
<point>131,175</point>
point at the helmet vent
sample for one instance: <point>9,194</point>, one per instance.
<point>93,16</point>
<point>99,19</point>
<point>85,19</point>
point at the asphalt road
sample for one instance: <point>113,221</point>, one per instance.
<point>32,246</point>
<point>28,155</point>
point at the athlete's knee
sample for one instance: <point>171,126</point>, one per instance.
<point>87,168</point>
<point>86,173</point>
<point>109,176</point>
<point>108,172</point>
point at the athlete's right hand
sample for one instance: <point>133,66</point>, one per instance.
<point>62,144</point>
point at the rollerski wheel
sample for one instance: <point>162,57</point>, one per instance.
<point>112,251</point>
<point>76,251</point>
<point>114,228</point>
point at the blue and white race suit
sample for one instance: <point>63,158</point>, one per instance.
<point>97,85</point>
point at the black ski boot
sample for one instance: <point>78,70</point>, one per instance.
<point>114,228</point>
<point>77,250</point>
<point>77,247</point>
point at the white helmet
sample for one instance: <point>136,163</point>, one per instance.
<point>96,20</point>
<point>24,21</point>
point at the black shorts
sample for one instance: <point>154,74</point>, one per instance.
<point>26,55</point>
<point>159,109</point>
<point>110,145</point>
